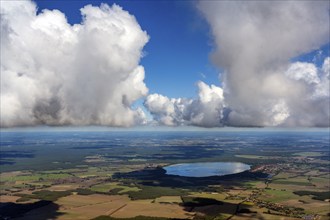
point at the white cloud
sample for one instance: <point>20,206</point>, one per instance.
<point>303,71</point>
<point>204,111</point>
<point>326,67</point>
<point>255,41</point>
<point>89,74</point>
<point>56,73</point>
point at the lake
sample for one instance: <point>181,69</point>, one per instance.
<point>206,169</point>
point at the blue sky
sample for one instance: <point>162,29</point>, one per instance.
<point>177,54</point>
<point>183,36</point>
<point>317,56</point>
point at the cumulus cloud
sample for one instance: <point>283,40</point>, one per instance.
<point>55,73</point>
<point>206,110</point>
<point>313,108</point>
<point>254,42</point>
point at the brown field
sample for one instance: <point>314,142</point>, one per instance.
<point>12,174</point>
<point>83,207</point>
<point>147,208</point>
<point>290,187</point>
<point>74,201</point>
<point>92,211</point>
<point>6,198</point>
<point>91,206</point>
<point>63,187</point>
<point>169,199</point>
<point>321,183</point>
<point>316,207</point>
<point>276,217</point>
<point>259,196</point>
<point>217,196</point>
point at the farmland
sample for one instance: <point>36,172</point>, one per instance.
<point>121,176</point>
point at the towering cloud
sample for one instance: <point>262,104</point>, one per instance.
<point>55,73</point>
<point>255,41</point>
<point>205,111</point>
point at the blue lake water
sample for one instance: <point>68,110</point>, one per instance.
<point>206,169</point>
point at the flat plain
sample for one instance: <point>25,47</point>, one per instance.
<point>110,175</point>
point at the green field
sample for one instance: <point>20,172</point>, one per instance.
<point>127,181</point>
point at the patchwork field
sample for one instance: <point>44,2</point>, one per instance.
<point>129,182</point>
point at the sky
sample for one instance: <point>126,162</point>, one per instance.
<point>173,63</point>
<point>177,53</point>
